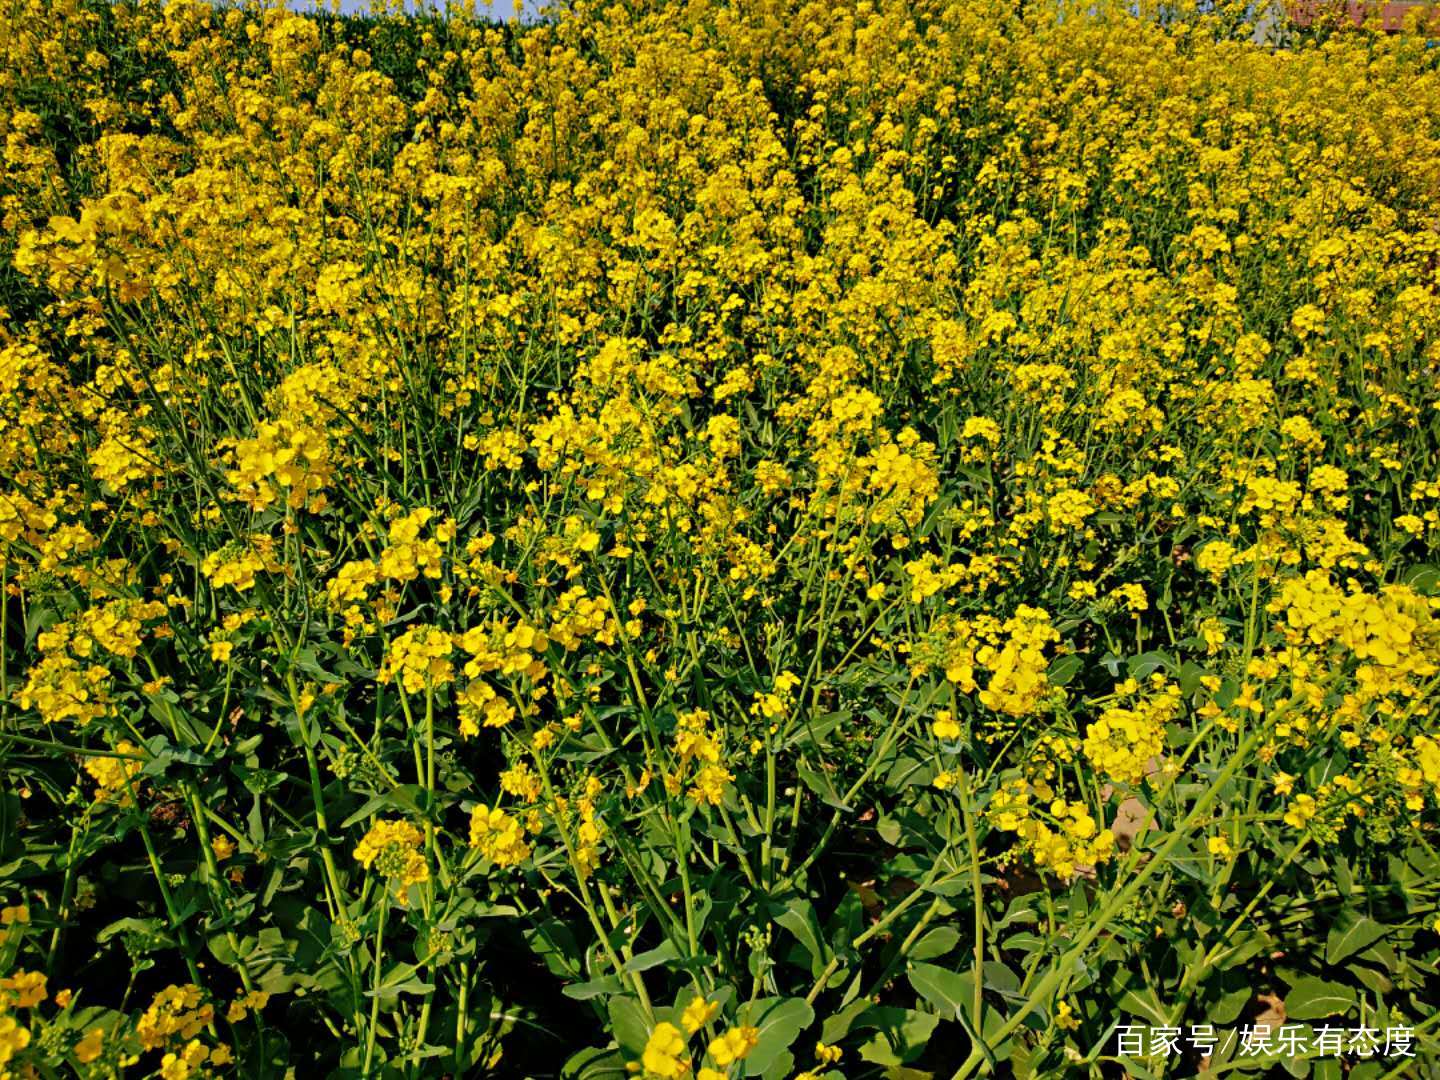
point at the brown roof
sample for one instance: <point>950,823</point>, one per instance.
<point>1392,16</point>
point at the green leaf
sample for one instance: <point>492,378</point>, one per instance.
<point>936,942</point>
<point>1001,979</point>
<point>1344,879</point>
<point>814,731</point>
<point>1230,1005</point>
<point>388,992</point>
<point>780,1021</point>
<point>654,958</point>
<point>1025,942</point>
<point>888,829</point>
<point>901,1034</point>
<point>1425,579</point>
<point>553,942</point>
<point>609,984</point>
<point>800,919</point>
<point>1371,979</point>
<point>821,785</point>
<point>628,1025</point>
<point>593,1063</point>
<point>1147,663</point>
<point>1383,954</point>
<point>1311,999</point>
<point>1064,669</point>
<point>402,798</point>
<point>1346,940</point>
<point>837,1025</point>
<point>1022,1061</point>
<point>946,990</point>
<point>142,931</point>
<point>1144,1002</point>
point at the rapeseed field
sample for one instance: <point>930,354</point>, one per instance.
<point>716,539</point>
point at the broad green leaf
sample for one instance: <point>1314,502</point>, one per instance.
<point>800,919</point>
<point>1230,1005</point>
<point>1064,669</point>
<point>653,958</point>
<point>1425,578</point>
<point>936,942</point>
<point>1372,979</point>
<point>593,1063</point>
<point>821,785</point>
<point>1346,940</point>
<point>1144,1002</point>
<point>901,1035</point>
<point>814,731</point>
<point>946,990</point>
<point>610,984</point>
<point>1001,979</point>
<point>628,1025</point>
<point>780,1021</point>
<point>390,991</point>
<point>1311,999</point>
<point>1150,662</point>
<point>837,1025</point>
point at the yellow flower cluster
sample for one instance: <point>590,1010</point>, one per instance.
<point>1061,837</point>
<point>1423,775</point>
<point>176,1012</point>
<point>775,703</point>
<point>237,563</point>
<point>13,1038</point>
<point>23,990</point>
<point>1125,743</point>
<point>498,836</point>
<point>420,659</point>
<point>124,454</point>
<point>1017,667</point>
<point>667,1056</point>
<point>1390,630</point>
<point>392,849</point>
<point>697,743</point>
<point>114,776</point>
<point>1012,651</point>
<point>479,705</point>
<point>191,1060</point>
<point>282,458</point>
<point>589,830</point>
<point>409,554</point>
<point>117,627</point>
<point>60,688</point>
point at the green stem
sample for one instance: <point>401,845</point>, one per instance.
<point>1118,901</point>
<point>975,885</point>
<point>878,926</point>
<point>375,988</point>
